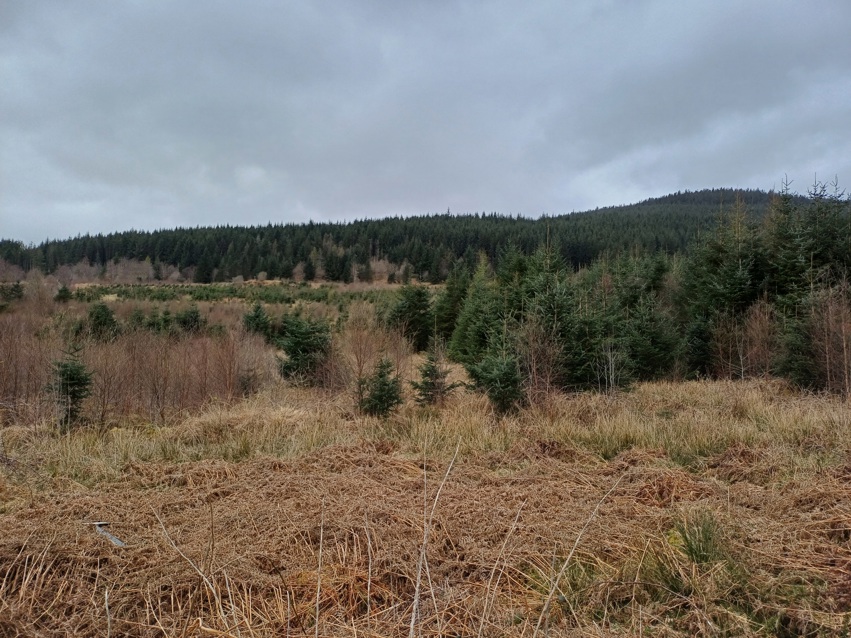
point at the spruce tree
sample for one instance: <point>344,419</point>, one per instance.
<point>498,375</point>
<point>434,387</point>
<point>71,385</point>
<point>102,323</point>
<point>381,392</point>
<point>257,321</point>
<point>412,313</point>
<point>479,317</point>
<point>63,295</point>
<point>448,304</point>
<point>306,345</point>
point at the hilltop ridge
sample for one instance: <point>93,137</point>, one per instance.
<point>428,245</point>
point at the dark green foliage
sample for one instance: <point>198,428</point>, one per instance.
<point>71,385</point>
<point>102,324</point>
<point>337,263</point>
<point>412,313</point>
<point>726,271</point>
<point>651,340</point>
<point>697,346</point>
<point>137,320</point>
<point>381,392</point>
<point>11,292</point>
<point>160,321</point>
<point>428,243</point>
<point>190,320</point>
<point>602,329</point>
<point>797,360</point>
<point>309,270</point>
<point>204,269</point>
<point>498,375</point>
<point>434,387</point>
<point>266,294</point>
<point>365,272</point>
<point>63,295</point>
<point>448,304</point>
<point>305,344</point>
<point>801,248</point>
<point>257,321</point>
<point>480,316</point>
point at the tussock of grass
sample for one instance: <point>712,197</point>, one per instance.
<point>693,509</point>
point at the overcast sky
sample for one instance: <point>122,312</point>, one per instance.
<point>119,114</point>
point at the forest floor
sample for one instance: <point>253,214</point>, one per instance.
<point>676,509</point>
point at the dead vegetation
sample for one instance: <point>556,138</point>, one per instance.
<point>677,509</point>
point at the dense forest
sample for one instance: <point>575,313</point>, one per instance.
<point>428,245</point>
<point>754,297</point>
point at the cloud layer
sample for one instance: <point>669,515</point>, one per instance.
<point>148,115</point>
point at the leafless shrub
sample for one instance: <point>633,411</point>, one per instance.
<point>746,346</point>
<point>540,351</point>
<point>831,336</point>
<point>26,352</point>
<point>612,368</point>
<point>359,346</point>
<point>760,337</point>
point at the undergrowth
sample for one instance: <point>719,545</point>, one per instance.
<point>693,509</point>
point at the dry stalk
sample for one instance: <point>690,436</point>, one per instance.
<point>319,567</point>
<point>213,632</point>
<point>426,530</point>
<point>368,574</point>
<point>554,586</point>
<point>203,576</point>
<point>488,590</point>
<point>108,616</point>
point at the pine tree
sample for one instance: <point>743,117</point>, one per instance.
<point>412,313</point>
<point>102,323</point>
<point>306,345</point>
<point>479,317</point>
<point>434,387</point>
<point>63,295</point>
<point>448,304</point>
<point>257,321</point>
<point>381,392</point>
<point>71,385</point>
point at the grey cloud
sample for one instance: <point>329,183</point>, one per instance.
<point>147,115</point>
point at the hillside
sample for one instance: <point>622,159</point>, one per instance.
<point>430,244</point>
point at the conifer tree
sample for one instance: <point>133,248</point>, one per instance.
<point>479,317</point>
<point>63,295</point>
<point>71,385</point>
<point>381,392</point>
<point>412,313</point>
<point>434,387</point>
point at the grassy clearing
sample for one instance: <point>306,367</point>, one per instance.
<point>676,509</point>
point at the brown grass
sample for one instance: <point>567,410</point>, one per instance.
<point>728,514</point>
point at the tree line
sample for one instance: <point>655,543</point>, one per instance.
<point>428,245</point>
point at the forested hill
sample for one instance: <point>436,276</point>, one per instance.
<point>430,243</point>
